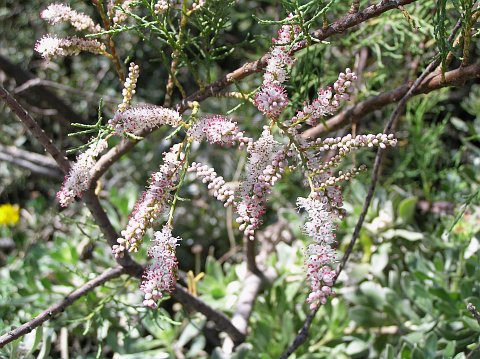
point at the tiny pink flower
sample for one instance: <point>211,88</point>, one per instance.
<point>271,99</point>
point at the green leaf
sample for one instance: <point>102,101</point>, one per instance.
<point>449,350</point>
<point>406,209</point>
<point>403,233</point>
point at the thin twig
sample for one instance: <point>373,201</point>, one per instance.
<point>40,96</point>
<point>35,129</point>
<point>35,163</point>
<point>59,307</point>
<point>34,82</point>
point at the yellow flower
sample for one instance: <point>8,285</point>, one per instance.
<point>9,214</point>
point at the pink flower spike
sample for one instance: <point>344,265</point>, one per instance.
<point>161,275</point>
<point>320,258</point>
<point>218,130</point>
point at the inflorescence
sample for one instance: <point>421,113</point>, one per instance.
<point>268,158</point>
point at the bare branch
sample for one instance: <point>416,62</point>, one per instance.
<point>38,164</point>
<point>35,130</point>
<point>59,307</point>
<point>221,320</point>
<point>37,82</point>
<point>39,96</point>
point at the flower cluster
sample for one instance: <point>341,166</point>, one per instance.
<point>56,13</point>
<point>348,143</point>
<point>136,119</point>
<point>161,274</point>
<point>327,102</point>
<point>320,255</point>
<point>52,46</point>
<point>9,214</point>
<point>266,163</point>
<point>129,87</point>
<point>215,183</point>
<point>152,202</point>
<point>119,15</point>
<point>78,179</point>
<point>272,97</point>
<point>162,5</point>
<point>218,130</point>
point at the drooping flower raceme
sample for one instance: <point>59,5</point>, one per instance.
<point>152,203</point>
<point>57,13</point>
<point>78,178</point>
<point>221,191</point>
<point>320,257</point>
<point>161,275</point>
<point>52,46</point>
<point>136,119</point>
<point>266,162</point>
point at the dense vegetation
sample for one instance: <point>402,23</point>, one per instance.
<point>415,267</point>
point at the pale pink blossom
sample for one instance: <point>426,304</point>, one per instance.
<point>136,119</point>
<point>120,16</point>
<point>218,130</point>
<point>52,46</point>
<point>129,87</point>
<point>161,275</point>
<point>349,143</point>
<point>320,256</point>
<point>56,13</point>
<point>78,179</point>
<point>151,204</point>
<point>271,99</point>
<point>266,163</point>
<point>328,101</point>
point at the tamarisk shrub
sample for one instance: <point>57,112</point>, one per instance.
<point>279,146</point>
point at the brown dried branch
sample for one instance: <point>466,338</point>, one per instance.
<point>39,96</point>
<point>35,130</point>
<point>59,307</point>
<point>35,163</point>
